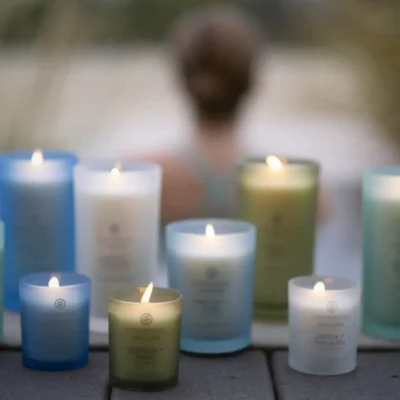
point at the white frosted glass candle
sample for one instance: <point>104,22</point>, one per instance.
<point>117,226</point>
<point>323,325</point>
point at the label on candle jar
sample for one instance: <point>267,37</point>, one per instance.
<point>38,227</point>
<point>214,306</point>
<point>55,333</point>
<point>146,351</point>
<point>385,293</point>
<point>114,242</point>
<point>325,336</point>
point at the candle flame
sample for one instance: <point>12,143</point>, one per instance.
<point>319,287</point>
<point>54,282</point>
<point>147,293</point>
<point>37,157</point>
<point>210,230</point>
<point>274,162</point>
<point>116,170</point>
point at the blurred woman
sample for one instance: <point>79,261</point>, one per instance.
<point>215,52</point>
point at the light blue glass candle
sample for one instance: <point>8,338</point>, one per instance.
<point>37,210</point>
<point>381,248</point>
<point>55,320</point>
<point>211,262</point>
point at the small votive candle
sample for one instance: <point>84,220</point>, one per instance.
<point>144,333</point>
<point>55,320</point>
<point>212,263</point>
<point>381,252</point>
<point>323,325</point>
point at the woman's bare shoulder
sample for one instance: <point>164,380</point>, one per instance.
<point>181,193</point>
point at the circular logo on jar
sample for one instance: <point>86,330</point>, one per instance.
<point>146,319</point>
<point>332,306</point>
<point>60,304</point>
<point>212,273</point>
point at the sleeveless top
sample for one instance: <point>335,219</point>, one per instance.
<point>219,188</point>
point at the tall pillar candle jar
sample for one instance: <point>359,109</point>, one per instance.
<point>212,263</point>
<point>55,320</point>
<point>279,196</point>
<point>144,333</point>
<point>1,276</point>
<point>37,209</point>
<point>117,226</point>
<point>381,252</point>
<point>324,319</point>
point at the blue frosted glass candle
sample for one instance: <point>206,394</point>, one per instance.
<point>37,209</point>
<point>211,262</point>
<point>1,276</point>
<point>55,320</point>
<point>381,252</point>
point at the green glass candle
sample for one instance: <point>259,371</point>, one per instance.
<point>144,337</point>
<point>279,196</point>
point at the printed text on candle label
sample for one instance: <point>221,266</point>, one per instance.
<point>214,301</point>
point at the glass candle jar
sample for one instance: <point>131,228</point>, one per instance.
<point>117,226</point>
<point>279,196</point>
<point>1,276</point>
<point>212,263</point>
<point>37,210</point>
<point>144,330</point>
<point>55,320</point>
<point>323,325</point>
<point>381,252</point>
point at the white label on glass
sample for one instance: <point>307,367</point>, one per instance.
<point>55,335</point>
<point>385,271</point>
<point>329,336</point>
<point>113,241</point>
<point>214,292</point>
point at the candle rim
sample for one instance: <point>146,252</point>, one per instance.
<point>245,228</point>
<point>298,283</point>
<point>119,296</point>
<point>383,170</point>
<point>306,163</point>
<point>106,165</point>
<point>49,156</point>
<point>41,280</point>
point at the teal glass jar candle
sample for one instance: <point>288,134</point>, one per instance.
<point>381,252</point>
<point>211,262</point>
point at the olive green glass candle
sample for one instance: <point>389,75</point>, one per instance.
<point>144,336</point>
<point>279,196</point>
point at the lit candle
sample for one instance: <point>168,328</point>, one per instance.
<point>1,276</point>
<point>381,231</point>
<point>55,320</point>
<point>37,210</point>
<point>117,226</point>
<point>144,333</point>
<point>279,196</point>
<point>212,264</point>
<point>323,325</point>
